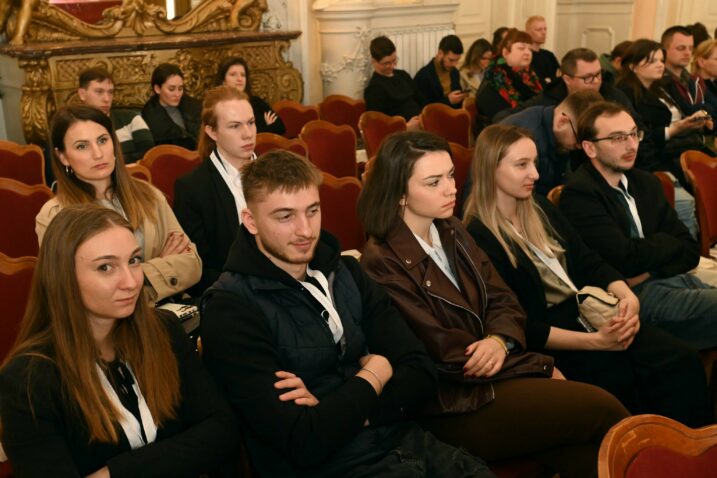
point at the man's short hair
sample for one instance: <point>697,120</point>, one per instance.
<point>532,19</point>
<point>94,74</point>
<point>381,47</point>
<point>580,101</point>
<point>451,44</point>
<point>569,63</point>
<point>277,169</point>
<point>620,49</point>
<point>586,121</point>
<point>667,35</point>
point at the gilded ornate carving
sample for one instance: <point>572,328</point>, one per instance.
<point>36,103</point>
<point>132,18</point>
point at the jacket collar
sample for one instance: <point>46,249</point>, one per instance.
<point>245,258</point>
<point>410,253</point>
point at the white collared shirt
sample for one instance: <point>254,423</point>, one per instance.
<point>438,254</point>
<point>632,205</point>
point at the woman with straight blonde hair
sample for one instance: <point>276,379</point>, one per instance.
<point>97,383</point>
<point>495,398</point>
<point>208,201</point>
<point>704,64</point>
<point>88,164</point>
<point>544,261</point>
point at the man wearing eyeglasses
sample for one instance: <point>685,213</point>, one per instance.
<point>581,71</point>
<point>390,90</point>
<point>621,212</point>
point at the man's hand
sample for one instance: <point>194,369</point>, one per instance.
<point>456,96</point>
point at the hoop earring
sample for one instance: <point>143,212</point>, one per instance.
<point>69,171</point>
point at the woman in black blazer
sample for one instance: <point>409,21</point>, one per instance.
<point>668,131</point>
<point>542,258</point>
<point>97,383</point>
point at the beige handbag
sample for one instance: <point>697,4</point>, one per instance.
<point>596,306</point>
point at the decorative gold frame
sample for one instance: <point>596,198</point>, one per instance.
<point>39,21</point>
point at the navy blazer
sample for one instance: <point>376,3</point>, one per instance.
<point>592,206</point>
<point>429,86</point>
<point>206,209</point>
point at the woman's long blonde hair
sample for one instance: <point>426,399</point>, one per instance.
<point>56,328</point>
<point>137,198</point>
<point>491,147</point>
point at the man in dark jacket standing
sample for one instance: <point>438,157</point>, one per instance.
<point>318,364</point>
<point>439,81</point>
<point>621,212</point>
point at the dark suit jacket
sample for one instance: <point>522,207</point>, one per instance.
<point>55,442</point>
<point>584,267</point>
<point>260,107</point>
<point>429,86</point>
<point>166,131</point>
<point>206,209</point>
<point>592,206</point>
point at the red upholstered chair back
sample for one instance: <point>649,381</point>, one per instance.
<point>331,148</point>
<point>15,279</point>
<point>340,110</point>
<point>452,124</point>
<point>166,163</point>
<point>652,446</point>
<point>554,194</point>
<point>338,210</point>
<point>701,171</point>
<point>140,172</point>
<point>375,126</point>
<point>20,204</point>
<point>462,158</point>
<point>469,104</point>
<point>294,115</point>
<point>266,142</point>
<point>5,470</point>
<point>24,163</point>
<point>667,186</point>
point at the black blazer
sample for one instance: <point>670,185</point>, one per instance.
<point>260,107</point>
<point>585,267</point>
<point>429,86</point>
<point>592,206</point>
<point>166,131</point>
<point>206,209</point>
<point>56,441</point>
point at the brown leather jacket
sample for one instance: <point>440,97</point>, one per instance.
<point>448,320</point>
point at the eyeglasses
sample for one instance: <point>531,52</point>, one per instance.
<point>389,62</point>
<point>572,126</point>
<point>620,138</point>
<point>587,79</point>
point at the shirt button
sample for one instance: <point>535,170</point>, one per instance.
<point>428,283</point>
<point>173,281</point>
<point>408,261</point>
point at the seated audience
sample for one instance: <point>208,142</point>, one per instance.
<point>439,81</point>
<point>317,363</point>
<point>688,92</point>
<point>621,213</point>
<point>97,89</point>
<point>611,63</point>
<point>234,71</point>
<point>98,384</point>
<point>544,261</point>
<point>581,71</point>
<point>470,322</point>
<point>544,63</point>
<point>477,59</point>
<point>704,64</point>
<point>172,116</point>
<point>668,132</point>
<point>509,80</point>
<point>390,90</point>
<point>89,168</point>
<point>208,201</point>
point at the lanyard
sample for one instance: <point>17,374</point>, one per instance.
<point>329,313</point>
